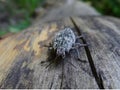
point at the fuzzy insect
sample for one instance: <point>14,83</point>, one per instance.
<point>64,41</point>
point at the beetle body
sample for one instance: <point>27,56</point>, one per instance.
<point>64,41</point>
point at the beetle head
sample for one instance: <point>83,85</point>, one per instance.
<point>61,52</point>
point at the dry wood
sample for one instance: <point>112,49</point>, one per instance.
<point>103,36</point>
<point>23,61</point>
<point>23,57</point>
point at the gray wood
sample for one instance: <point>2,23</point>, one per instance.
<point>23,61</point>
<point>103,36</point>
<point>59,9</point>
<point>23,57</point>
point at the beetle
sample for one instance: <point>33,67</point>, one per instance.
<point>64,41</point>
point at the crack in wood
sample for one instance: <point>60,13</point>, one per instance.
<point>97,75</point>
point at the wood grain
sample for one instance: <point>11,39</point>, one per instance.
<point>23,61</point>
<point>103,36</point>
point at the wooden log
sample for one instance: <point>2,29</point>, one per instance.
<point>23,58</point>
<point>60,9</point>
<point>22,66</point>
<point>103,36</point>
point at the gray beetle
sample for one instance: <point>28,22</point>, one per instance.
<point>64,41</point>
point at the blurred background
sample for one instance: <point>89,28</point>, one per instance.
<point>16,15</point>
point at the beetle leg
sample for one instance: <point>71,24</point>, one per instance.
<point>71,64</point>
<point>49,47</point>
<point>46,45</point>
<point>78,37</point>
<point>80,45</point>
<point>79,56</point>
<point>63,55</point>
<point>52,61</point>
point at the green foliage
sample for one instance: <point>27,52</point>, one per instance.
<point>2,33</point>
<point>24,7</point>
<point>18,27</point>
<point>23,10</point>
<point>107,7</point>
<point>27,5</point>
<point>20,11</point>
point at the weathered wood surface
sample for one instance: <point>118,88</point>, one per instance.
<point>23,59</point>
<point>59,9</point>
<point>103,36</point>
